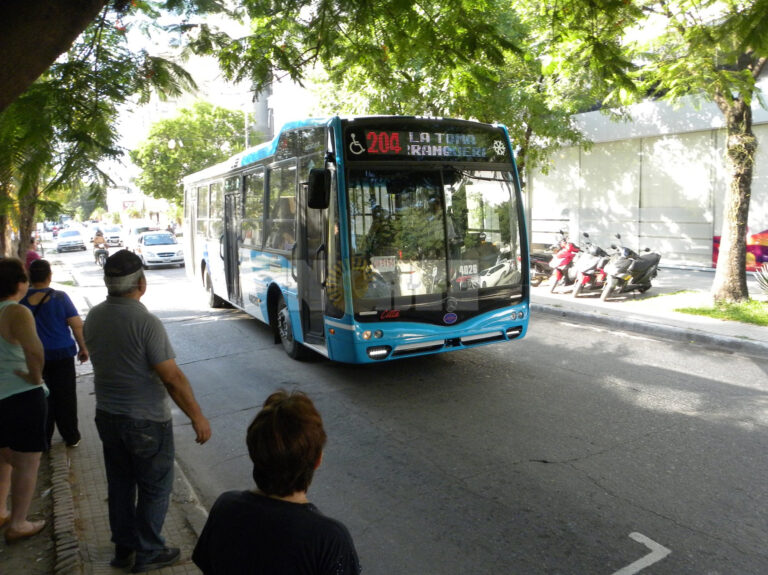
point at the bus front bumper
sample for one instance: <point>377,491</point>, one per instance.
<point>372,342</point>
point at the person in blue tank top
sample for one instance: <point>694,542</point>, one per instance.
<point>22,403</point>
<point>57,321</point>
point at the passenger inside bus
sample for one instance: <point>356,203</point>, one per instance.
<point>283,224</point>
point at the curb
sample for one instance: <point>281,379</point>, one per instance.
<point>184,495</point>
<point>688,335</point>
<point>68,559</point>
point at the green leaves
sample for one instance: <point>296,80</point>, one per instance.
<point>193,140</point>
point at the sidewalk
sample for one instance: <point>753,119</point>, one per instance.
<point>653,313</point>
<point>72,484</point>
<point>78,543</point>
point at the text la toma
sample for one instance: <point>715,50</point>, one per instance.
<point>441,138</point>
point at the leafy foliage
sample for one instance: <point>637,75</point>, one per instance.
<point>761,275</point>
<point>54,137</point>
<point>193,140</point>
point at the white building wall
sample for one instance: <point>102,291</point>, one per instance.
<point>659,181</point>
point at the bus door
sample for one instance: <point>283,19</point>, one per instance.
<point>311,254</point>
<point>230,247</point>
<point>189,228</point>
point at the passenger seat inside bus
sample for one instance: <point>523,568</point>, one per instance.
<point>281,236</point>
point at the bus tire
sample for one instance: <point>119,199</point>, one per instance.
<point>285,331</point>
<point>214,301</point>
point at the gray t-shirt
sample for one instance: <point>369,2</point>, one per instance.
<point>125,341</point>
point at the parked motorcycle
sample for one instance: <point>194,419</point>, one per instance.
<point>628,271</point>
<point>540,260</point>
<point>562,264</point>
<point>590,275</point>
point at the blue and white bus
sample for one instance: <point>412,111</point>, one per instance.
<point>367,239</point>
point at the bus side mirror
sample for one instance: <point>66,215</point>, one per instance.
<point>319,191</point>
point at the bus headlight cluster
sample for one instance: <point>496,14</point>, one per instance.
<point>518,315</point>
<point>367,334</point>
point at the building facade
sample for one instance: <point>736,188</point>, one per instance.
<point>660,181</point>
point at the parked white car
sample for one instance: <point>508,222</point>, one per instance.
<point>500,274</point>
<point>159,249</point>
<point>132,233</point>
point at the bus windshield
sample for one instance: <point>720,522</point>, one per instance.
<point>423,234</point>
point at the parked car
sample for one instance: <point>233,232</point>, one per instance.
<point>132,233</point>
<point>70,240</point>
<point>501,273</point>
<point>159,249</point>
<point>113,235</point>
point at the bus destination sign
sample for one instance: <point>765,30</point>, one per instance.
<point>464,144</point>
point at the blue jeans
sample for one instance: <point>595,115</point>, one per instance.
<point>138,456</point>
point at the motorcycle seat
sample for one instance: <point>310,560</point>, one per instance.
<point>644,262</point>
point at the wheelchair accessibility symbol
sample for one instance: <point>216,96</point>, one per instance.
<point>356,147</point>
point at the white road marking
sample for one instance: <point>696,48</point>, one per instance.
<point>658,552</point>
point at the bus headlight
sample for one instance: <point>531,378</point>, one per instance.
<point>378,334</point>
<point>367,334</point>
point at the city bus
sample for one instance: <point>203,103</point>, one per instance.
<point>366,239</point>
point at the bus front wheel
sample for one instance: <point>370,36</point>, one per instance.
<point>285,330</point>
<point>214,301</point>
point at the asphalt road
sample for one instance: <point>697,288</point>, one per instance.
<point>576,450</point>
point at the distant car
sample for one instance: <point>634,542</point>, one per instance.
<point>70,240</point>
<point>133,232</point>
<point>501,273</point>
<point>113,235</point>
<point>159,249</point>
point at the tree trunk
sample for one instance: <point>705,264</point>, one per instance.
<point>730,283</point>
<point>5,236</point>
<point>27,209</point>
<point>5,221</point>
<point>33,33</point>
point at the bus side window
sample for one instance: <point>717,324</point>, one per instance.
<point>202,209</point>
<point>254,209</point>
<point>282,207</point>
<point>216,227</point>
<point>283,224</point>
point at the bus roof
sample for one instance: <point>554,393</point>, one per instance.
<point>255,153</point>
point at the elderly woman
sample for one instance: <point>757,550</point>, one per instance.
<point>22,403</point>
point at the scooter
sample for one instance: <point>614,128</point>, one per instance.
<point>100,254</point>
<point>590,275</point>
<point>541,270</point>
<point>562,262</point>
<point>628,271</point>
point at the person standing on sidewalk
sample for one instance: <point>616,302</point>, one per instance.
<point>22,403</point>
<point>57,321</point>
<point>135,372</point>
<point>32,254</point>
<point>274,529</point>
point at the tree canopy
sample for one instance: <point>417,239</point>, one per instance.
<point>529,64</point>
<point>195,139</point>
<point>55,135</point>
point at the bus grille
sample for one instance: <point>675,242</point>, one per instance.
<point>467,341</point>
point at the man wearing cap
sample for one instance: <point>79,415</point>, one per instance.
<point>135,372</point>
